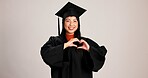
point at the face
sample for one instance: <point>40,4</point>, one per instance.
<point>71,25</point>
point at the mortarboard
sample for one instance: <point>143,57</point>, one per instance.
<point>69,9</point>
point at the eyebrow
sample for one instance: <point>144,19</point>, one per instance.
<point>67,19</point>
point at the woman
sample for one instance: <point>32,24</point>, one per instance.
<point>70,55</point>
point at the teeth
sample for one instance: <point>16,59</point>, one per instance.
<point>71,28</point>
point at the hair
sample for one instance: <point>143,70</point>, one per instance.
<point>77,33</point>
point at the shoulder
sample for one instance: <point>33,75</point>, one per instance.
<point>55,40</point>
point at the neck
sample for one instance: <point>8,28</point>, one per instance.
<point>69,36</point>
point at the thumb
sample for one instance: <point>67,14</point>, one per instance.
<point>80,47</point>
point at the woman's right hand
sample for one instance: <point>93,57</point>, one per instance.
<point>70,43</point>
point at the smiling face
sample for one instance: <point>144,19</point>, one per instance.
<point>70,24</point>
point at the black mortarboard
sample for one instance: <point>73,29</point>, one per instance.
<point>69,9</point>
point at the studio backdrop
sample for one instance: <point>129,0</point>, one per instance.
<point>120,25</point>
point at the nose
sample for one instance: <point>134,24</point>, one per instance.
<point>71,24</point>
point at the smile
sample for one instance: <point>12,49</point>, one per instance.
<point>71,28</point>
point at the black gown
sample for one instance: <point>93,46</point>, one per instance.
<point>72,62</point>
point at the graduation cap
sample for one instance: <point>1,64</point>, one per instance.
<point>69,9</point>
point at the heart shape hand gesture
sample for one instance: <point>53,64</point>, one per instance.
<point>80,44</point>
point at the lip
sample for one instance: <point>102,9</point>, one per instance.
<point>71,28</point>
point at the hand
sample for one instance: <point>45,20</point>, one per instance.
<point>70,43</point>
<point>85,45</point>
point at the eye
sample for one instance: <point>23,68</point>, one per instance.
<point>75,20</point>
<point>67,20</point>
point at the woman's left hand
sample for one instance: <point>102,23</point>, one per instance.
<point>85,45</point>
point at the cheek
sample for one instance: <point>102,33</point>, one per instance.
<point>66,25</point>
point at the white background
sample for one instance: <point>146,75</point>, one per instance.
<point>120,25</point>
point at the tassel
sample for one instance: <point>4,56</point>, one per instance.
<point>58,26</point>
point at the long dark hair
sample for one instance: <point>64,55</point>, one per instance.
<point>77,33</point>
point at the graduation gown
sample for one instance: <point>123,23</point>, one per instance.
<point>72,62</point>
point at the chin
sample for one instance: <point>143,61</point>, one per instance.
<point>70,32</point>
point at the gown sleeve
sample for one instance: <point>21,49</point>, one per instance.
<point>95,57</point>
<point>52,52</point>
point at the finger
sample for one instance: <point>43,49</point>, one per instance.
<point>83,41</point>
<point>80,47</point>
<point>73,45</point>
<point>75,40</point>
